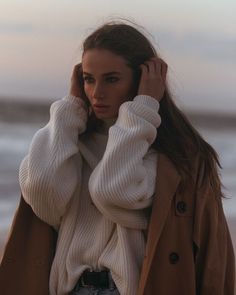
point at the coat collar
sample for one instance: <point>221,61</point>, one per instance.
<point>167,181</point>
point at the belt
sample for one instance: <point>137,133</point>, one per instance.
<point>100,279</point>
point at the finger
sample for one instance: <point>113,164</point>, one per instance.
<point>79,65</point>
<point>158,65</point>
<point>144,70</point>
<point>161,67</point>
<point>150,67</point>
<point>77,69</point>
<point>164,68</point>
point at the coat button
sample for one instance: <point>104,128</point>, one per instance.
<point>174,258</point>
<point>181,207</point>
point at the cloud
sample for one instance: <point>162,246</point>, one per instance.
<point>16,28</point>
<point>204,45</point>
<point>56,30</point>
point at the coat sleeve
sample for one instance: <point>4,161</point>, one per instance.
<point>28,254</point>
<point>214,255</point>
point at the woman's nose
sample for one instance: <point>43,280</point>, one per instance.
<point>98,91</point>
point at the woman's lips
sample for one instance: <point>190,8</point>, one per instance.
<point>100,108</point>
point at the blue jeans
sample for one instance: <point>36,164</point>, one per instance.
<point>95,291</point>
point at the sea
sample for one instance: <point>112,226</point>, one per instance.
<point>15,138</point>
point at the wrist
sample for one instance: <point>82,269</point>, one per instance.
<point>76,99</point>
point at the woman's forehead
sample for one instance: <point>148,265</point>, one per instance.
<point>103,60</point>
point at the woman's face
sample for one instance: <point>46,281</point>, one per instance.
<point>107,81</point>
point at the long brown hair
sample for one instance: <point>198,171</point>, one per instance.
<point>176,138</point>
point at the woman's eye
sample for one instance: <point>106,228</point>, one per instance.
<point>112,79</point>
<point>108,79</point>
<point>88,79</point>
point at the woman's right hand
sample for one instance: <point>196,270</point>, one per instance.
<point>77,83</point>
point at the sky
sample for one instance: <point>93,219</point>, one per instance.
<point>40,43</point>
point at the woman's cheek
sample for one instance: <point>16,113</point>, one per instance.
<point>87,93</point>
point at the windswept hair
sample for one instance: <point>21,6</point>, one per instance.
<point>176,137</point>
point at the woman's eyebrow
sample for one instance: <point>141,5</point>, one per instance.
<point>105,74</point>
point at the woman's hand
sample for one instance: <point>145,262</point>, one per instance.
<point>153,78</point>
<point>77,83</point>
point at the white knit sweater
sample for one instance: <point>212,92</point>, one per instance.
<point>93,189</point>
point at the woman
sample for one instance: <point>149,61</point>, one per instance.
<point>130,187</point>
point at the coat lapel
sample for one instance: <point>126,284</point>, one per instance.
<point>167,181</point>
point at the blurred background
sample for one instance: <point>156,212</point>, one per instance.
<point>40,43</point>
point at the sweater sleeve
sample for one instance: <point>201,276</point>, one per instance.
<point>123,182</point>
<point>51,171</point>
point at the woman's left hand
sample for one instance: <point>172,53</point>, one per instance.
<point>153,78</point>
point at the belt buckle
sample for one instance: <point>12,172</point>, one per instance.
<point>110,282</point>
<point>82,280</point>
<point>83,283</point>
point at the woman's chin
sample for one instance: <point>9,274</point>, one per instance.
<point>105,116</point>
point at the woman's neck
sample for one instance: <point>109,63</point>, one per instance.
<point>106,124</point>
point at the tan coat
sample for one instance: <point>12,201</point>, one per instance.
<point>189,250</point>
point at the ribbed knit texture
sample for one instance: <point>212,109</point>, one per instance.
<point>93,189</point>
